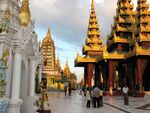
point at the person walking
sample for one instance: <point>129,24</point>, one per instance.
<point>95,94</point>
<point>65,90</point>
<point>88,95</point>
<point>125,94</point>
<point>101,97</point>
<point>69,89</point>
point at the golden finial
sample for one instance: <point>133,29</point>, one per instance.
<point>48,33</point>
<point>92,5</point>
<point>25,16</point>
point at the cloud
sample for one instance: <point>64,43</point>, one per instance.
<point>68,20</point>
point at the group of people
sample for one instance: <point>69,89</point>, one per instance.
<point>94,96</point>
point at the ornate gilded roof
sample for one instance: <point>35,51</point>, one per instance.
<point>93,40</point>
<point>123,29</point>
<point>143,22</point>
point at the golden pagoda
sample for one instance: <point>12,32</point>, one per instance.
<point>142,46</point>
<point>51,70</point>
<point>24,15</point>
<point>48,48</point>
<point>67,70</point>
<point>92,50</point>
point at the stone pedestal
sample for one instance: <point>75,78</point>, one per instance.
<point>14,106</point>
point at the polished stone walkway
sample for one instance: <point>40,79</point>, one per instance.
<point>77,104</point>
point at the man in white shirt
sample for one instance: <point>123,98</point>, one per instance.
<point>125,94</point>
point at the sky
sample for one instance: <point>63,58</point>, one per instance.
<point>68,21</point>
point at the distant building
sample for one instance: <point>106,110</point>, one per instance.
<point>71,77</point>
<point>51,70</point>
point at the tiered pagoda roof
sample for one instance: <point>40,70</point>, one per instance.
<point>121,38</point>
<point>142,28</point>
<point>93,41</point>
<point>93,44</point>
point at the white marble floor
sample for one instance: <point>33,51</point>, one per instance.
<point>77,104</point>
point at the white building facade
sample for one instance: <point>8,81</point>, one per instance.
<point>17,35</point>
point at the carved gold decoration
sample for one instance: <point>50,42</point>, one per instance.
<point>142,50</point>
<point>118,39</point>
<point>5,57</point>
<point>25,16</point>
<point>142,26</point>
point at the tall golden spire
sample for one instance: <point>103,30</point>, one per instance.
<point>67,70</point>
<point>25,16</point>
<point>92,5</point>
<point>48,33</point>
<point>93,40</point>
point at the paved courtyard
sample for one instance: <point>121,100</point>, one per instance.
<point>77,104</point>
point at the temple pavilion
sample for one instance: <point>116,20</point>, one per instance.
<point>124,59</point>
